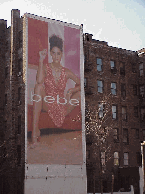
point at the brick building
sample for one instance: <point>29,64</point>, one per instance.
<point>121,73</point>
<point>12,106</point>
<point>107,70</point>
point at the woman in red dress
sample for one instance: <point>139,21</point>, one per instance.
<point>50,85</point>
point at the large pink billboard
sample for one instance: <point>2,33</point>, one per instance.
<point>54,117</point>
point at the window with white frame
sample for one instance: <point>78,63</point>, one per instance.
<point>114,111</point>
<point>112,64</point>
<point>100,86</point>
<point>124,113</point>
<point>103,158</point>
<point>126,158</point>
<point>116,135</point>
<point>100,110</point>
<point>113,88</point>
<point>141,69</point>
<point>116,158</point>
<point>99,64</point>
<point>113,67</point>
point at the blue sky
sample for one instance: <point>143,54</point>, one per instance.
<point>121,23</point>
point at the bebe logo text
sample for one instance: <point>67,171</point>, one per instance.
<point>51,99</point>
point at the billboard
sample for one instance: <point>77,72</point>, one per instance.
<point>53,92</point>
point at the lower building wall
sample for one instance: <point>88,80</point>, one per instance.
<point>56,185</point>
<point>131,192</point>
<point>55,179</point>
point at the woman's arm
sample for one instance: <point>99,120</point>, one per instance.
<point>72,76</point>
<point>41,69</point>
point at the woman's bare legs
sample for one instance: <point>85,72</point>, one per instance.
<point>70,107</point>
<point>38,97</point>
<point>39,104</point>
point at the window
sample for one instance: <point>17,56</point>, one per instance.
<point>103,158</point>
<point>112,64</point>
<point>113,68</point>
<point>142,113</point>
<point>133,67</point>
<point>6,72</point>
<point>123,90</point>
<point>100,86</point>
<point>134,90</point>
<point>137,133</point>
<point>143,133</point>
<point>124,113</point>
<point>135,111</point>
<point>5,99</point>
<point>116,135</point>
<point>20,67</point>
<point>19,155</point>
<point>139,158</point>
<point>85,82</point>
<point>141,69</point>
<point>125,136</point>
<point>113,88</point>
<point>19,124</point>
<point>20,39</point>
<point>122,69</point>
<point>99,64</point>
<point>101,110</point>
<point>116,158</point>
<point>141,90</point>
<point>5,124</point>
<point>88,154</point>
<point>19,95</point>
<point>114,112</point>
<point>126,158</point>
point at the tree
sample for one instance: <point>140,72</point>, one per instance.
<point>99,130</point>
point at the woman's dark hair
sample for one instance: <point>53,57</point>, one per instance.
<point>55,41</point>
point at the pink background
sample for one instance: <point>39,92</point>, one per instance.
<point>72,49</point>
<point>37,40</point>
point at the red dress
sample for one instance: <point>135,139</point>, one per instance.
<point>56,109</point>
